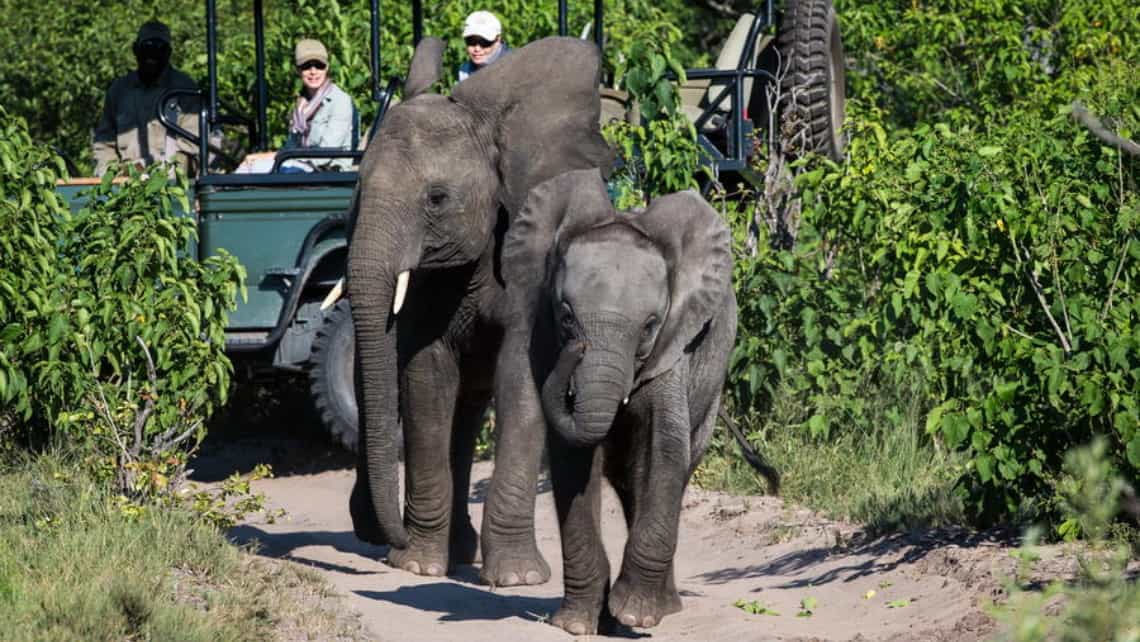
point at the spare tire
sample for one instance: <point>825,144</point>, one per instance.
<point>331,383</point>
<point>813,90</point>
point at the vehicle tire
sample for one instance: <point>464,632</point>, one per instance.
<point>331,382</point>
<point>814,87</point>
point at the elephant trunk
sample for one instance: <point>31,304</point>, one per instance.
<point>377,287</point>
<point>581,397</point>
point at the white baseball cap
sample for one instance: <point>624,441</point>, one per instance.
<point>483,24</point>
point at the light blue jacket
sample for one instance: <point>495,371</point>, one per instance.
<point>331,127</point>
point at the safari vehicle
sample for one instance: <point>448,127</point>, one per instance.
<point>779,69</point>
<point>289,230</point>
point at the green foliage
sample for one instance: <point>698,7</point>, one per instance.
<point>958,60</point>
<point>660,155</point>
<point>1089,492</point>
<point>986,255</point>
<point>754,607</point>
<point>69,55</point>
<point>883,472</point>
<point>224,506</point>
<point>77,564</point>
<point>111,331</point>
<point>1103,603</point>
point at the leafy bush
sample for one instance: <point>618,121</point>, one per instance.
<point>111,331</point>
<point>1103,603</point>
<point>659,155</point>
<point>989,258</point>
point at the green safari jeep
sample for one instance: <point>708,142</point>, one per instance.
<point>289,231</point>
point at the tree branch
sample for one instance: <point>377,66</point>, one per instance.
<point>1039,292</point>
<point>148,406</point>
<point>1083,116</point>
<point>1115,279</point>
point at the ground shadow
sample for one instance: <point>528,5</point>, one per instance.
<point>282,545</point>
<point>870,555</point>
<point>461,603</point>
<point>267,421</point>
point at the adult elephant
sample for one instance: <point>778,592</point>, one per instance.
<point>633,319</point>
<point>439,185</point>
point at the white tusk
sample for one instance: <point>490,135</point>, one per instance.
<point>401,291</point>
<point>333,295</point>
<point>625,402</point>
<point>570,388</point>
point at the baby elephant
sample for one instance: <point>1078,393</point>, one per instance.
<point>632,319</point>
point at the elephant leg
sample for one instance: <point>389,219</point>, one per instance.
<point>510,554</point>
<point>430,393</point>
<point>577,479</point>
<point>645,590</point>
<point>469,415</point>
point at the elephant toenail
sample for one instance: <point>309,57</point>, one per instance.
<point>577,628</point>
<point>434,569</point>
<point>648,621</point>
<point>533,577</point>
<point>412,567</point>
<point>510,579</point>
<point>628,619</point>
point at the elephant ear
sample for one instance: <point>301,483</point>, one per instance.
<point>425,68</point>
<point>542,105</point>
<point>697,247</point>
<point>554,209</point>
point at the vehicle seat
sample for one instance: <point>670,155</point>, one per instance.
<point>696,95</point>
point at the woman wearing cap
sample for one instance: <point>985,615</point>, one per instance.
<point>483,36</point>
<point>323,115</point>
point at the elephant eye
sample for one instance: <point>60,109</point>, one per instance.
<point>650,327</point>
<point>436,196</point>
<point>566,321</point>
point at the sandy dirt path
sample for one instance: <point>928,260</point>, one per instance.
<point>731,548</point>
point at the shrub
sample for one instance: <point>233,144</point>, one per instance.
<point>112,332</point>
<point>996,265</point>
<point>659,155</point>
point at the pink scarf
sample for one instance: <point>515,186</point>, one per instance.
<point>305,110</point>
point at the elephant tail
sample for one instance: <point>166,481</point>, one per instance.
<point>754,458</point>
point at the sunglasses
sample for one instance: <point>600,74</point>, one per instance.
<point>482,42</point>
<point>311,65</point>
<point>152,45</point>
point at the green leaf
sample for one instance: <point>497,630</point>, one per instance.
<point>898,604</point>
<point>754,607</point>
<point>989,151</point>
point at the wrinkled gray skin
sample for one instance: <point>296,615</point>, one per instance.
<point>439,185</point>
<point>633,320</point>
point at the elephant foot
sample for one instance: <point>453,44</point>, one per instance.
<point>464,544</point>
<point>641,605</point>
<point>576,621</point>
<point>419,559</point>
<point>513,567</point>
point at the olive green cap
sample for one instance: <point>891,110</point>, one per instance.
<point>309,49</point>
